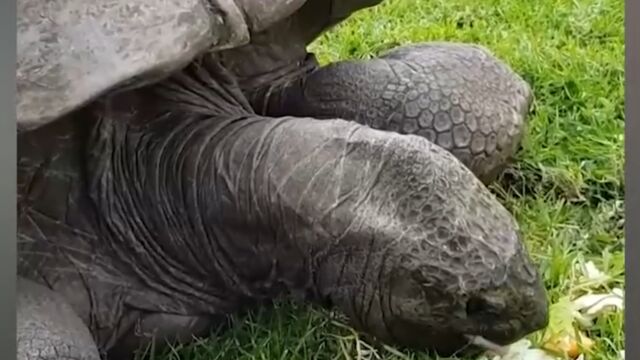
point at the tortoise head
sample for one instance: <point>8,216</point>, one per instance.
<point>451,270</point>
<point>463,288</point>
<point>461,275</point>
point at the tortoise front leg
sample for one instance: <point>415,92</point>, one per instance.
<point>456,95</point>
<point>48,328</point>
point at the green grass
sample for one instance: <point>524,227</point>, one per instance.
<point>567,187</point>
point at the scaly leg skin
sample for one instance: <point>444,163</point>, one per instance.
<point>457,95</point>
<point>48,328</point>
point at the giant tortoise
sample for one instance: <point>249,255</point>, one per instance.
<point>183,160</point>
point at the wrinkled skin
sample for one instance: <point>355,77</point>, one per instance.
<point>153,214</point>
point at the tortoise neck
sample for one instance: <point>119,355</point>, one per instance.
<point>204,199</point>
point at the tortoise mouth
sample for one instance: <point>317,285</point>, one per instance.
<point>487,345</point>
<point>445,342</point>
<point>453,344</point>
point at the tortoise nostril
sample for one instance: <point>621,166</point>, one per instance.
<point>484,305</point>
<point>476,306</point>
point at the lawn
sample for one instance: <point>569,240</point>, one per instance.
<point>566,188</point>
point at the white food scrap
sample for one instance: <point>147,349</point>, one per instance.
<point>520,350</point>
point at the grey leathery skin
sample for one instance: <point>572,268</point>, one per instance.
<point>279,52</point>
<point>158,196</point>
<point>181,205</point>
